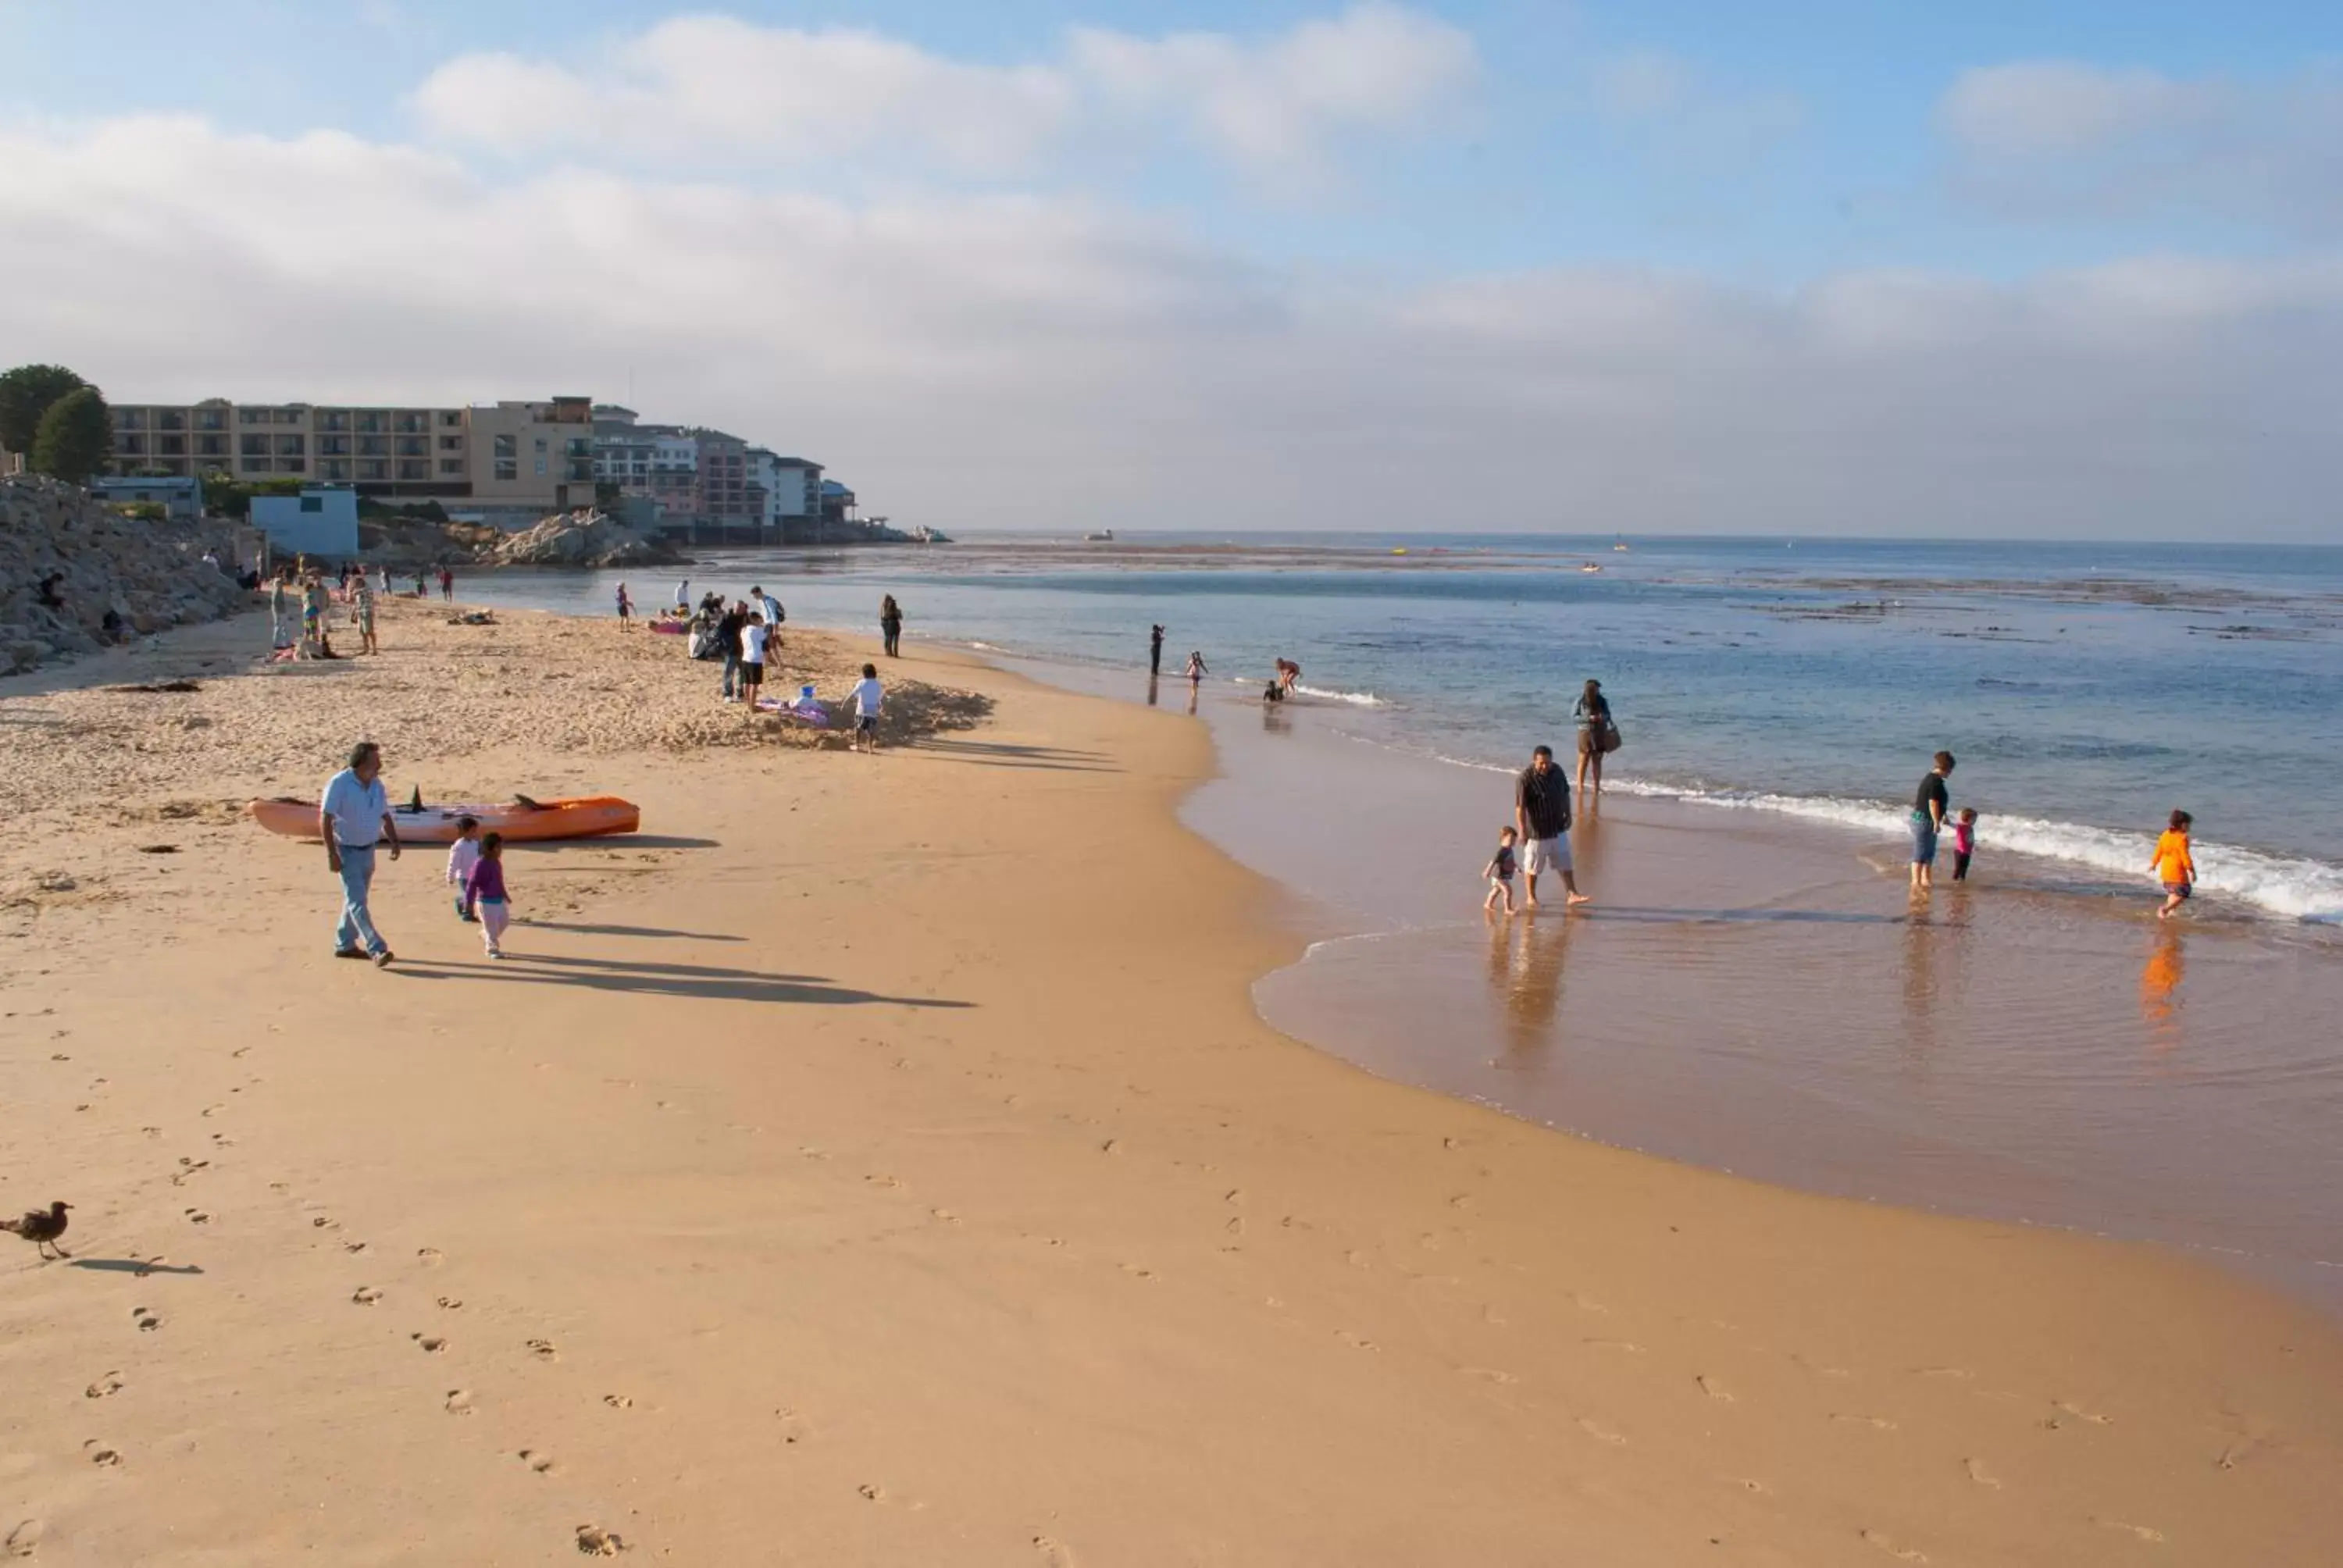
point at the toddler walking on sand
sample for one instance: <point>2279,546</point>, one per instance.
<point>2175,866</point>
<point>484,886</point>
<point>462,856</point>
<point>1499,872</point>
<point>1964,842</point>
<point>868,695</point>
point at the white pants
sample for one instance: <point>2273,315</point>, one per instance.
<point>1548,855</point>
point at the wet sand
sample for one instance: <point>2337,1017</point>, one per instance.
<point>881,1161</point>
<point>1763,995</point>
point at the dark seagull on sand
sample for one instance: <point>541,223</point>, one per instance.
<point>42,1227</point>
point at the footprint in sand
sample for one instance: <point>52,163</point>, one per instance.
<point>1901,1553</point>
<point>366,1295</point>
<point>1629,1346</point>
<point>147,1321</point>
<point>459,1402</point>
<point>872,1493</point>
<point>1053,1552</point>
<point>105,1387</point>
<point>432,1343</point>
<point>1976,1473</point>
<point>1755,1488</point>
<point>619,1401</point>
<point>1136,1272</point>
<point>544,1350</point>
<point>1602,1434</point>
<point>1356,1342</point>
<point>449,1303</point>
<point>354,1246</point>
<point>100,1455</point>
<point>1489,1374</point>
<point>197,1217</point>
<point>429,1257</point>
<point>2063,1408</point>
<point>26,1539</point>
<point>1958,1375</point>
<point>594,1541</point>
<point>537,1460</point>
<point>1714,1390</point>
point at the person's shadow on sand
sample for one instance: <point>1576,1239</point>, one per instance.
<point>643,977</point>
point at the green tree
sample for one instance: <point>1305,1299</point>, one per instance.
<point>26,394</point>
<point>75,438</point>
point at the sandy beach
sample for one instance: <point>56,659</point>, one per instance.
<point>880,1160</point>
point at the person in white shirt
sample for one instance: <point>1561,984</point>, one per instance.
<point>462,856</point>
<point>354,818</point>
<point>753,662</point>
<point>683,593</point>
<point>772,609</point>
<point>868,695</point>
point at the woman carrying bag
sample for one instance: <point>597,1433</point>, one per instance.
<point>1596,733</point>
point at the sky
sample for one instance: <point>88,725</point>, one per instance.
<point>1992,270</point>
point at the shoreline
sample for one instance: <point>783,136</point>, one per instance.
<point>901,1147</point>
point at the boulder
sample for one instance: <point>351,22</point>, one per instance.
<point>151,575</point>
<point>581,539</point>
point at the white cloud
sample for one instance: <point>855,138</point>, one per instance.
<point>2049,138</point>
<point>734,92</point>
<point>1023,360</point>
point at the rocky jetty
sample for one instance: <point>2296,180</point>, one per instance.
<point>581,539</point>
<point>67,561</point>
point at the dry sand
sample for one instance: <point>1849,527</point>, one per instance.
<point>879,1160</point>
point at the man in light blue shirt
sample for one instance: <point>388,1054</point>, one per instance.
<point>354,818</point>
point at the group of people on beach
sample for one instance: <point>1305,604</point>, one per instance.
<point>2173,864</point>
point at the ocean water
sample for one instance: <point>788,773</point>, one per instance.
<point>1753,990</point>
<point>2087,690</point>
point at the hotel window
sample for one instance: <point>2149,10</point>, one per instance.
<point>211,418</point>
<point>252,416</point>
<point>507,470</point>
<point>131,445</point>
<point>507,446</point>
<point>410,470</point>
<point>332,470</point>
<point>334,419</point>
<point>292,446</point>
<point>375,469</point>
<point>254,446</point>
<point>451,468</point>
<point>450,420</point>
<point>130,418</point>
<point>333,446</point>
<point>374,445</point>
<point>171,419</point>
<point>413,447</point>
<point>451,443</point>
<point>370,420</point>
<point>211,446</point>
<point>292,465</point>
<point>171,445</point>
<point>254,465</point>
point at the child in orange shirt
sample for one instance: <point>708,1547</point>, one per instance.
<point>2175,866</point>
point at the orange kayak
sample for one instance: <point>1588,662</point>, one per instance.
<point>580,817</point>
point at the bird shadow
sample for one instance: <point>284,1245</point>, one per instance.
<point>642,977</point>
<point>133,1266</point>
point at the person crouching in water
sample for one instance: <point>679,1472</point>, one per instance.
<point>483,890</point>
<point>462,856</point>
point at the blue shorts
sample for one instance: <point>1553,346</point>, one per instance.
<point>1923,839</point>
<point>2180,889</point>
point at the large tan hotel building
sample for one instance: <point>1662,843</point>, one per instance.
<point>519,455</point>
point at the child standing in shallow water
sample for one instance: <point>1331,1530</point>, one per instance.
<point>2175,866</point>
<point>462,856</point>
<point>484,887</point>
<point>1964,842</point>
<point>1499,872</point>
